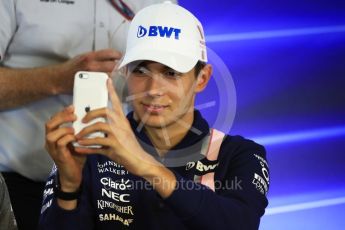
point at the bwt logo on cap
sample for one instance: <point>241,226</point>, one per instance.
<point>162,31</point>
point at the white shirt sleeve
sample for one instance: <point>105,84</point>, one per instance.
<point>8,24</point>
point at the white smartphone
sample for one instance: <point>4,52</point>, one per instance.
<point>89,93</point>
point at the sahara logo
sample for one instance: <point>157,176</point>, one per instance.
<point>113,216</point>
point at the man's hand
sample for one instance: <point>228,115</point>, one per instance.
<point>21,86</point>
<point>58,143</point>
<point>97,61</point>
<point>121,145</point>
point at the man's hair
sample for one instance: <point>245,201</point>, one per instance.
<point>198,67</point>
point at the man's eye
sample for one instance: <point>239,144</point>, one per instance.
<point>172,74</point>
<point>139,70</point>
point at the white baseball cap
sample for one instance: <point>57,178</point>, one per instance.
<point>168,34</point>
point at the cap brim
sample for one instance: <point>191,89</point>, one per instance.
<point>178,62</point>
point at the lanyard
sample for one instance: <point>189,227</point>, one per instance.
<point>123,9</point>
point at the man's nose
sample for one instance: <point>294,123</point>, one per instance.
<point>155,87</point>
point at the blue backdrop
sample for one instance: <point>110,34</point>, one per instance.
<point>287,61</point>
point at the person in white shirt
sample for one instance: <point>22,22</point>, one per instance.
<point>43,43</point>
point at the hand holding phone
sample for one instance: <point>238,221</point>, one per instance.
<point>89,93</point>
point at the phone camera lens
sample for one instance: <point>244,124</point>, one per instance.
<point>80,75</point>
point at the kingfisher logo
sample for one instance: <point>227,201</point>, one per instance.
<point>162,31</point>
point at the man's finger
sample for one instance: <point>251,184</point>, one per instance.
<point>115,101</point>
<point>64,141</point>
<point>95,113</point>
<point>55,135</point>
<point>61,117</point>
<point>107,54</point>
<point>83,151</point>
<point>92,141</point>
<point>97,127</point>
<point>104,66</point>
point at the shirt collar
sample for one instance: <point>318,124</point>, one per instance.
<point>188,149</point>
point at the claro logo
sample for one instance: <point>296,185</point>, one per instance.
<point>118,185</point>
<point>161,31</point>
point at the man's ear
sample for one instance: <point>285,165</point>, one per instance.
<point>203,78</point>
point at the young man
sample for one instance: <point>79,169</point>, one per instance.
<point>43,43</point>
<point>151,172</point>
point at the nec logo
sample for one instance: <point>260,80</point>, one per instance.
<point>161,31</point>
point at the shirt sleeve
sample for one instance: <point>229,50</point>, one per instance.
<point>53,217</point>
<point>8,25</point>
<point>240,197</point>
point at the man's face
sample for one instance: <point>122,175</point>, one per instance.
<point>161,96</point>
